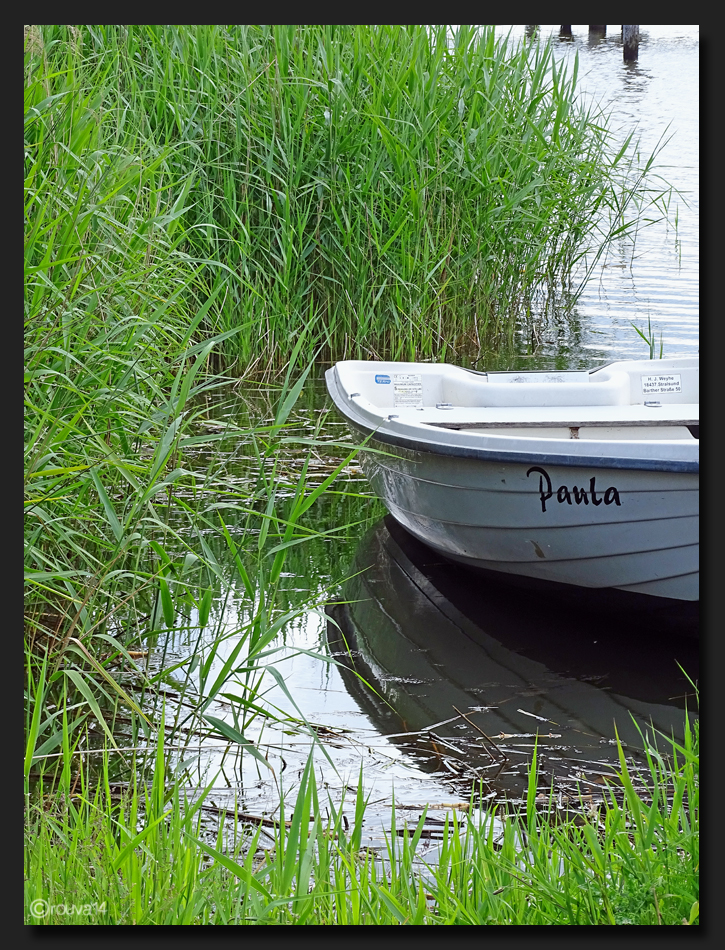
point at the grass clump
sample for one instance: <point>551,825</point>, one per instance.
<point>405,190</point>
<point>147,858</point>
<point>126,533</point>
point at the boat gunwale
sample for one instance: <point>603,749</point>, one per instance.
<point>559,424</point>
<point>679,466</point>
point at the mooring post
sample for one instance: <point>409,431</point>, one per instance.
<point>630,43</point>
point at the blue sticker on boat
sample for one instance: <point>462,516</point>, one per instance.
<point>382,379</point>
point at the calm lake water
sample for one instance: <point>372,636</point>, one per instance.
<point>430,641</point>
<point>656,277</point>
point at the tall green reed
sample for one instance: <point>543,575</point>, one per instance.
<point>405,191</point>
<point>111,402</point>
<point>118,361</point>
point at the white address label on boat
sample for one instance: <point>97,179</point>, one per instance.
<point>408,389</point>
<point>663,383</point>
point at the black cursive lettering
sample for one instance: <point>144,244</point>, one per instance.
<point>563,494</point>
<point>612,495</point>
<point>543,495</point>
<point>595,500</point>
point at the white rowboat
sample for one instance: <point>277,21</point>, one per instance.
<point>585,478</point>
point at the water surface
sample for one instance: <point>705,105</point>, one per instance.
<point>433,644</point>
<point>653,279</point>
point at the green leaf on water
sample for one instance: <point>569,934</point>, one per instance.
<point>229,732</point>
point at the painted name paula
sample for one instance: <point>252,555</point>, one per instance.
<point>573,495</point>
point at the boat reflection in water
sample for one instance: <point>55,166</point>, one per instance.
<point>435,640</point>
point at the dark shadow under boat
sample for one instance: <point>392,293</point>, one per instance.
<point>468,673</point>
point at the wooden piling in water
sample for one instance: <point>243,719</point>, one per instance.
<point>601,30</point>
<point>630,43</point>
<point>565,31</point>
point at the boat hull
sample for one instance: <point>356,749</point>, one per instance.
<point>642,537</point>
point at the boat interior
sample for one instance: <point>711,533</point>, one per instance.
<point>624,400</point>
